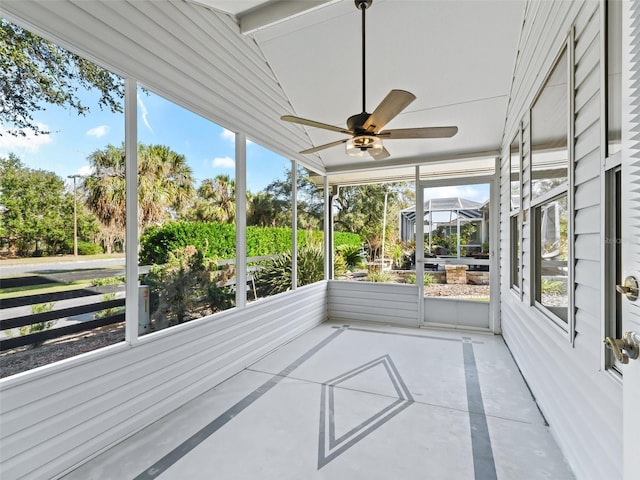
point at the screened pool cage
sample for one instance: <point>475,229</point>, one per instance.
<point>448,216</point>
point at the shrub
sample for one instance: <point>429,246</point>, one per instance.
<point>351,254</point>
<point>553,287</point>
<point>428,279</point>
<point>108,312</point>
<point>40,326</point>
<point>218,240</point>
<point>185,286</point>
<point>380,277</point>
<point>275,277</point>
<point>88,248</point>
<point>340,266</point>
<point>101,282</point>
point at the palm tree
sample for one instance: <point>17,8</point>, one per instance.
<point>216,201</point>
<point>165,187</point>
<point>263,210</point>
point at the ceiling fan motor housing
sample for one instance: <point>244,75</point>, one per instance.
<point>355,122</point>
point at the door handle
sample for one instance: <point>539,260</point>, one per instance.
<point>629,288</point>
<point>625,348</point>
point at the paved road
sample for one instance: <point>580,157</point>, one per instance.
<point>48,267</point>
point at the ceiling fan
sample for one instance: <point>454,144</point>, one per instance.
<point>366,128</point>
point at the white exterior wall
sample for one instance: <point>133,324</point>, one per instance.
<point>390,303</point>
<point>62,414</point>
<point>582,403</point>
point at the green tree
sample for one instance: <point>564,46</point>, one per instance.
<point>309,197</point>
<point>360,209</point>
<point>215,201</point>
<point>36,210</point>
<point>165,188</point>
<point>35,72</point>
<point>266,211</point>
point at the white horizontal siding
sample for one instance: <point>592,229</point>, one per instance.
<point>374,302</point>
<point>207,65</point>
<point>581,402</point>
<point>56,417</point>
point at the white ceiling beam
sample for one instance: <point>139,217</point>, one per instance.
<point>412,161</point>
<point>277,11</point>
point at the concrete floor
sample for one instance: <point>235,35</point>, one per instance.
<point>353,402</point>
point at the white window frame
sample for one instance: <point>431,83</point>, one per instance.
<point>566,187</point>
<point>609,165</point>
<point>515,215</point>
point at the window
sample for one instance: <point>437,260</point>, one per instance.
<point>549,132</point>
<point>50,134</point>
<point>269,221</point>
<point>550,194</point>
<point>515,167</point>
<point>186,201</point>
<point>551,222</point>
<point>614,76</point>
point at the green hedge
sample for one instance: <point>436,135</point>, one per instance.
<point>218,240</point>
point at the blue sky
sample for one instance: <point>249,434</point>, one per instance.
<point>208,148</point>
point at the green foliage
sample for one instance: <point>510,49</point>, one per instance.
<point>447,237</point>
<point>165,188</point>
<point>275,277</point>
<point>217,240</point>
<point>40,326</point>
<point>108,312</point>
<point>89,248</point>
<point>351,254</point>
<point>360,209</point>
<point>186,285</point>
<point>380,277</point>
<point>100,282</point>
<point>340,265</point>
<point>37,213</point>
<point>553,287</point>
<point>41,73</point>
<point>428,279</point>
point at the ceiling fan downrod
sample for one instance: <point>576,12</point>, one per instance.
<point>362,5</point>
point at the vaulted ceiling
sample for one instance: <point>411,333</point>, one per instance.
<point>456,56</point>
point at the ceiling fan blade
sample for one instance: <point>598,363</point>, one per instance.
<point>425,132</point>
<point>384,153</point>
<point>312,123</point>
<point>322,147</point>
<point>392,105</point>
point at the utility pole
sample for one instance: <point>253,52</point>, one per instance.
<point>75,214</point>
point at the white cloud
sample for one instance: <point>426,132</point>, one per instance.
<point>99,131</point>
<point>145,113</point>
<point>30,142</point>
<point>228,135</point>
<point>224,162</point>
<point>85,170</point>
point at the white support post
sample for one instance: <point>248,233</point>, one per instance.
<point>420,246</point>
<point>131,199</point>
<point>294,225</point>
<point>458,229</point>
<point>241,220</point>
<point>328,237</point>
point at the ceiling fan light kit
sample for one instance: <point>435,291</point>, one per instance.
<point>358,146</point>
<point>366,128</point>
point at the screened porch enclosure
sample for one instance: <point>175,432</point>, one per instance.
<point>360,379</point>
